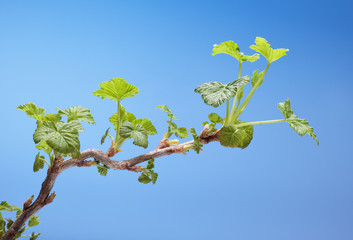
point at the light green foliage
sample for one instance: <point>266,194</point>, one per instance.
<point>146,124</point>
<point>148,175</point>
<point>34,236</point>
<point>116,89</point>
<point>232,49</point>
<point>197,144</point>
<point>215,93</point>
<point>232,136</point>
<point>33,221</point>
<point>38,163</point>
<point>105,135</point>
<point>42,145</point>
<point>32,110</point>
<point>263,47</point>
<point>77,113</point>
<point>181,132</point>
<point>301,126</point>
<point>257,79</point>
<point>138,132</point>
<point>102,169</point>
<point>124,116</point>
<point>167,110</point>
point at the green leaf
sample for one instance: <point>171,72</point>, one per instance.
<point>33,221</point>
<point>62,137</point>
<point>263,47</point>
<point>77,113</point>
<point>154,176</point>
<point>147,125</point>
<point>167,110</point>
<point>138,132</point>
<point>104,136</point>
<point>5,206</point>
<point>32,110</point>
<point>145,177</point>
<point>301,126</point>
<point>102,171</point>
<point>150,164</point>
<point>38,163</point>
<point>34,236</point>
<point>2,225</point>
<point>51,118</point>
<point>9,223</point>
<point>232,49</point>
<point>116,89</point>
<point>215,93</point>
<point>42,145</point>
<point>197,144</point>
<point>232,136</point>
<point>124,116</point>
<point>215,118</point>
<point>256,77</point>
<point>181,132</point>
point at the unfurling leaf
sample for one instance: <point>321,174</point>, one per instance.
<point>102,171</point>
<point>215,118</point>
<point>32,110</point>
<point>124,116</point>
<point>42,145</point>
<point>145,177</point>
<point>34,236</point>
<point>138,132</point>
<point>301,126</point>
<point>181,132</point>
<point>33,221</point>
<point>38,163</point>
<point>77,113</point>
<point>5,206</point>
<point>116,89</point>
<point>257,79</point>
<point>232,136</point>
<point>263,47</point>
<point>215,93</point>
<point>197,144</point>
<point>104,136</point>
<point>232,49</point>
<point>167,110</point>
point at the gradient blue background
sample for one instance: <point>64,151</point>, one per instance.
<point>282,187</point>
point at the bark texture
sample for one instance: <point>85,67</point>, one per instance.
<point>45,196</point>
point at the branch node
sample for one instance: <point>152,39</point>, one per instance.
<point>28,202</point>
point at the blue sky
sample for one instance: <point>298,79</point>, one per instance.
<point>281,187</point>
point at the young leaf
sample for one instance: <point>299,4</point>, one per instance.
<point>231,136</point>
<point>147,125</point>
<point>51,118</point>
<point>256,77</point>
<point>116,89</point>
<point>33,221</point>
<point>215,118</point>
<point>167,110</point>
<point>232,49</point>
<point>181,132</point>
<point>2,225</point>
<point>34,236</point>
<point>154,176</point>
<point>138,132</point>
<point>104,136</point>
<point>124,116</point>
<point>197,144</point>
<point>102,171</point>
<point>301,126</point>
<point>9,223</point>
<point>5,206</point>
<point>215,93</point>
<point>263,47</point>
<point>42,145</point>
<point>38,163</point>
<point>62,137</point>
<point>32,110</point>
<point>145,177</point>
<point>78,113</point>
